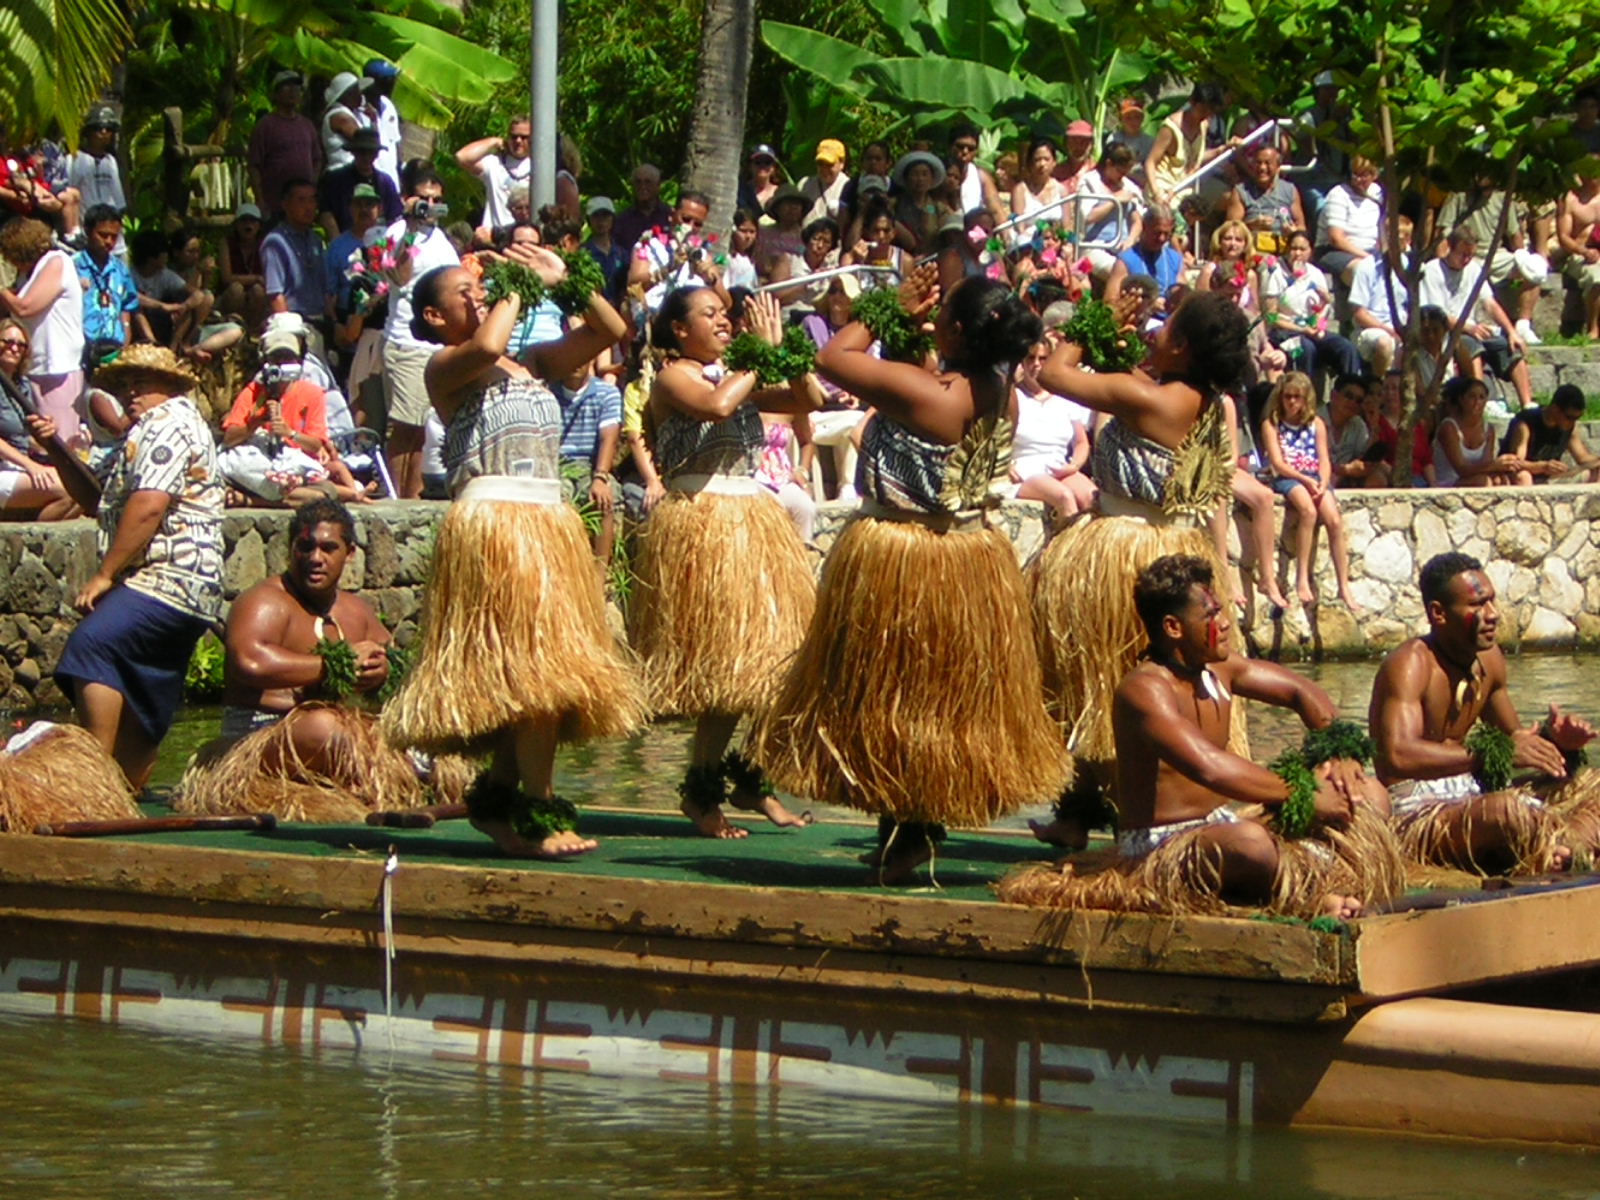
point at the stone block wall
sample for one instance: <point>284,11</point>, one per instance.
<point>1541,545</point>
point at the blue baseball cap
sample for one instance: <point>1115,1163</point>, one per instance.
<point>380,69</point>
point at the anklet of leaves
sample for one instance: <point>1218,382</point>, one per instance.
<point>1493,755</point>
<point>773,365</point>
<point>1296,812</point>
<point>704,787</point>
<point>535,818</point>
<point>502,278</point>
<point>1341,739</point>
<point>900,336</point>
<point>490,799</point>
<point>745,776</point>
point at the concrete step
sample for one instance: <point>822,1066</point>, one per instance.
<point>1564,356</point>
<point>1545,376</point>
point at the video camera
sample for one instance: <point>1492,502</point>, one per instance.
<point>432,211</point>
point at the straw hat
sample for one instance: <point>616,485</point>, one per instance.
<point>143,357</point>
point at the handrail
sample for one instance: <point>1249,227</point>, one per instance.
<point>818,276</point>
<point>1077,199</point>
<point>1206,168</point>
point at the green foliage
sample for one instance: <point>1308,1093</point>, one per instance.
<point>1296,813</point>
<point>400,664</point>
<point>338,680</point>
<point>772,364</point>
<point>202,680</point>
<point>1107,347</point>
<point>900,336</point>
<point>502,277</point>
<point>56,56</point>
<point>1492,749</point>
<point>1341,739</point>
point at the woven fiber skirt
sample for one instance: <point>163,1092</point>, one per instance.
<point>917,693</point>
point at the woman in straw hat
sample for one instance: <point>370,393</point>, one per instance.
<point>516,655</point>
<point>916,695</point>
<point>159,583</point>
<point>725,590</point>
<point>1162,466</point>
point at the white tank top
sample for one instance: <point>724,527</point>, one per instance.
<point>1046,428</point>
<point>56,334</point>
<point>1443,470</point>
<point>971,189</point>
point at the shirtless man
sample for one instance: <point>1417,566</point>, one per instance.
<point>274,627</point>
<point>1578,232</point>
<point>1429,693</point>
<point>1171,714</point>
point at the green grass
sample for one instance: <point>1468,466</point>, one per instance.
<point>1556,339</point>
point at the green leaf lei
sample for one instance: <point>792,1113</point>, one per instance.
<point>773,365</point>
<point>899,335</point>
<point>1296,813</point>
<point>502,278</point>
<point>1107,347</point>
<point>338,680</point>
<point>1494,752</point>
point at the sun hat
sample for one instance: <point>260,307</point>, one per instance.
<point>143,357</point>
<point>761,150</point>
<point>1323,79</point>
<point>283,77</point>
<point>907,161</point>
<point>365,191</point>
<point>786,192</point>
<point>364,138</point>
<point>1129,104</point>
<point>280,339</point>
<point>377,68</point>
<point>247,212</point>
<point>599,204</point>
<point>102,116</point>
<point>871,183</point>
<point>338,86</point>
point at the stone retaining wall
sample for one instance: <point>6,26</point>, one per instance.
<point>1542,546</point>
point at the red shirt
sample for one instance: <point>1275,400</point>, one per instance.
<point>305,409</point>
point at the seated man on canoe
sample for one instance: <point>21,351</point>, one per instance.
<point>1180,846</point>
<point>1449,784</point>
<point>290,745</point>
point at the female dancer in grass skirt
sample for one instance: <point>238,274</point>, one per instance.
<point>516,654</point>
<point>917,693</point>
<point>1162,466</point>
<point>725,590</point>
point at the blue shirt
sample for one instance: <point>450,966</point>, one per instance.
<point>597,405</point>
<point>339,252</point>
<point>612,265</point>
<point>108,292</point>
<point>296,268</point>
<point>1166,267</point>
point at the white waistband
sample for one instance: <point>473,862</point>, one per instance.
<point>716,485</point>
<point>515,490</point>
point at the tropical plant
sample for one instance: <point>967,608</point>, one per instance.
<point>1021,66</point>
<point>55,56</point>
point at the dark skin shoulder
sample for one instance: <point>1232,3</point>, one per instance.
<point>271,639</point>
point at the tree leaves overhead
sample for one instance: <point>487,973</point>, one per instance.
<point>55,56</point>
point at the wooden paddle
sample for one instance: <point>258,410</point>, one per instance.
<point>255,821</point>
<point>418,818</point>
<point>66,463</point>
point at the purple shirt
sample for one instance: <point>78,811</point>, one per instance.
<point>631,224</point>
<point>283,148</point>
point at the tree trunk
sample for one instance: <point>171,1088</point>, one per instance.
<point>716,131</point>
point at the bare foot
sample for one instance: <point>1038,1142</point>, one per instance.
<point>1343,908</point>
<point>556,847</point>
<point>900,866</point>
<point>770,807</point>
<point>711,823</point>
<point>1559,859</point>
<point>1275,597</point>
<point>1349,601</point>
<point>1064,832</point>
<point>1307,593</point>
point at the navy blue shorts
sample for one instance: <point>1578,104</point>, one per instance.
<point>1283,486</point>
<point>135,645</point>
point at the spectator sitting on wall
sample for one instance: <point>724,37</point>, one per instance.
<point>93,171</point>
<point>295,265</point>
<point>244,290</point>
<point>1537,438</point>
<point>1351,225</point>
<point>1516,267</point>
<point>110,297</point>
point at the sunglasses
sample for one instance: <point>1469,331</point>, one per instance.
<point>966,146</point>
<point>17,343</point>
<point>517,137</point>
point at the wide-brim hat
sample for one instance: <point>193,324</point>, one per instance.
<point>907,161</point>
<point>153,360</point>
<point>338,86</point>
<point>787,192</point>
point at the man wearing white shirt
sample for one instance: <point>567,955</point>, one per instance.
<point>1448,283</point>
<point>1351,224</point>
<point>1380,324</point>
<point>387,117</point>
<point>826,187</point>
<point>419,245</point>
<point>501,162</point>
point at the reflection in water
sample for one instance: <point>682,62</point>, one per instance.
<point>92,1110</point>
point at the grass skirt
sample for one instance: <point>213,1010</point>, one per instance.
<point>62,775</point>
<point>1181,876</point>
<point>724,596</point>
<point>1089,634</point>
<point>1576,805</point>
<point>514,629</point>
<point>262,773</point>
<point>916,694</point>
<point>1532,831</point>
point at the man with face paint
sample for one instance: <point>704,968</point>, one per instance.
<point>1175,774</point>
<point>1426,698</point>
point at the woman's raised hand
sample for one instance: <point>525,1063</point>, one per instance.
<point>765,319</point>
<point>541,260</point>
<point>919,292</point>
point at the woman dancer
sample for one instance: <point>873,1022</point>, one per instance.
<point>917,694</point>
<point>725,590</point>
<point>1162,464</point>
<point>516,654</point>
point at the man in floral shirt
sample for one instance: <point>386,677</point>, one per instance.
<point>159,583</point>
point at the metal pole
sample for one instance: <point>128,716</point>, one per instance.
<point>542,106</point>
<point>818,276</point>
<point>1254,135</point>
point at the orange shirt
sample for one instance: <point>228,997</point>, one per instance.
<point>304,409</point>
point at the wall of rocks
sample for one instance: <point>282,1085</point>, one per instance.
<point>1542,547</point>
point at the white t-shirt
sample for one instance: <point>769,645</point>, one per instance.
<point>56,333</point>
<point>1047,426</point>
<point>435,250</point>
<point>1297,297</point>
<point>334,151</point>
<point>1105,230</point>
<point>1358,215</point>
<point>1370,290</point>
<point>499,175</point>
<point>388,160</point>
<point>1448,289</point>
<point>97,180</point>
<point>824,201</point>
